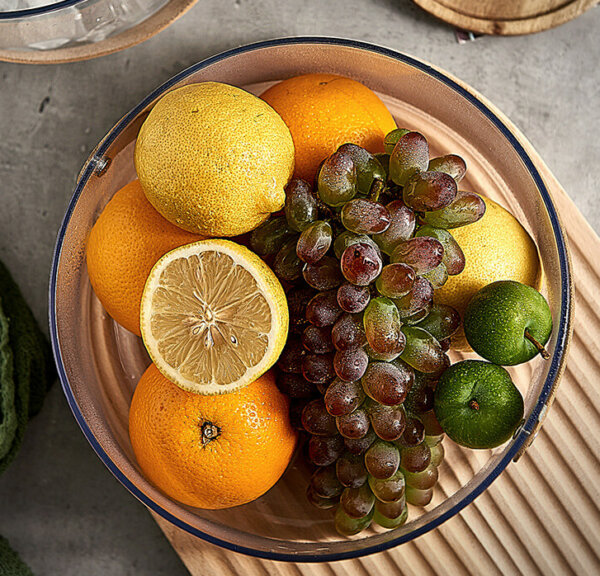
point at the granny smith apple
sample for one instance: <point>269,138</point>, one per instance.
<point>508,323</point>
<point>477,404</point>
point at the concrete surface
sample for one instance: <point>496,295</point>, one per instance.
<point>60,508</point>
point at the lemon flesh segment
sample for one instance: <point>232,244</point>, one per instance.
<point>214,316</point>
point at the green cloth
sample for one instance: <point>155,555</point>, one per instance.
<point>10,562</point>
<point>32,372</point>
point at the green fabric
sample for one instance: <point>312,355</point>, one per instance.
<point>10,562</point>
<point>33,367</point>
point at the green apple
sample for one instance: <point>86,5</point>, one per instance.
<point>508,323</point>
<point>477,404</point>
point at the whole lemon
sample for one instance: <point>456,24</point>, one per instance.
<point>497,247</point>
<point>214,159</point>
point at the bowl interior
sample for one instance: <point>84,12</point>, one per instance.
<point>102,362</point>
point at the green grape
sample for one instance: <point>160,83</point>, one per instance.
<point>368,167</point>
<point>433,441</point>
<point>391,139</point>
<point>324,482</point>
<point>300,205</point>
<point>320,501</point>
<point>348,238</point>
<point>450,164</point>
<point>347,526</point>
<point>357,502</point>
<point>441,322</point>
<point>269,237</point>
<point>398,513</point>
<point>438,276</point>
<point>422,254</point>
<point>401,228</point>
<point>422,480</point>
<point>395,280</point>
<point>337,180</point>
<point>453,258</point>
<point>420,298</point>
<point>314,242</point>
<point>350,470</point>
<point>287,266</point>
<point>384,161</point>
<point>427,191</point>
<point>389,490</point>
<point>380,357</point>
<point>437,451</point>
<point>382,459</point>
<point>388,422</point>
<point>363,216</point>
<point>466,208</point>
<point>383,326</point>
<point>415,458</point>
<point>422,351</point>
<point>409,156</point>
<point>418,497</point>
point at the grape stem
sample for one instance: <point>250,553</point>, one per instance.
<point>543,352</point>
<point>377,187</point>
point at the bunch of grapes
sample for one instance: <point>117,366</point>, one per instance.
<point>367,346</point>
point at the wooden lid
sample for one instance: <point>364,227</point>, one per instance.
<point>146,29</point>
<point>508,17</point>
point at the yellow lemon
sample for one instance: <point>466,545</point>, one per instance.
<point>214,159</point>
<point>213,317</point>
<point>496,247</point>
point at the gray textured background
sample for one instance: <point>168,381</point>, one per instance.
<point>59,506</point>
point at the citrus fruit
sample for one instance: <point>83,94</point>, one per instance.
<point>214,159</point>
<point>324,111</point>
<point>477,404</point>
<point>214,317</point>
<point>211,451</point>
<point>496,247</point>
<point>124,243</point>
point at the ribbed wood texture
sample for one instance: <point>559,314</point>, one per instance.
<point>541,516</point>
<point>506,17</point>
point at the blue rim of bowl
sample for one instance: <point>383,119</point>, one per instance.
<point>556,361</point>
<point>14,14</point>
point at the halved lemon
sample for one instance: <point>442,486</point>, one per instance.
<point>214,317</point>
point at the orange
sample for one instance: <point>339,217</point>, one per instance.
<point>211,451</point>
<point>128,238</point>
<point>324,111</point>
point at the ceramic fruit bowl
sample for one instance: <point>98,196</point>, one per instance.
<point>100,363</point>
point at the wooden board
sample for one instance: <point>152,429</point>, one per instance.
<point>542,515</point>
<point>506,17</point>
<point>143,31</point>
